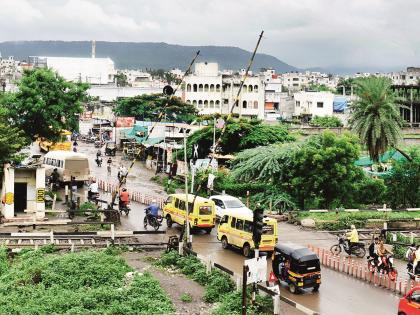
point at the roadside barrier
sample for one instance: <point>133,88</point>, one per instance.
<point>360,270</point>
<point>134,195</point>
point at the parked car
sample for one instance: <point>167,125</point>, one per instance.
<point>410,303</point>
<point>226,204</point>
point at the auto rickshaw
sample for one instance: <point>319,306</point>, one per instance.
<point>110,148</point>
<point>296,265</point>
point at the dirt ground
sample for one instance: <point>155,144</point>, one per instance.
<point>174,284</point>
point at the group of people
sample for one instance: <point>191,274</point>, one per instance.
<point>378,251</point>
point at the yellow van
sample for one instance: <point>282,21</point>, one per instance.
<point>236,230</point>
<point>201,216</point>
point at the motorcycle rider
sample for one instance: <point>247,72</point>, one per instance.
<point>372,250</point>
<point>382,252</point>
<point>410,255</point>
<point>416,258</point>
<point>352,237</point>
<point>98,161</point>
<point>93,189</point>
<point>152,210</point>
<point>98,153</point>
<point>124,198</point>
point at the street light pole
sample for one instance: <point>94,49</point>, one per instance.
<point>187,224</point>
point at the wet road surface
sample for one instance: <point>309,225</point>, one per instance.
<point>339,294</point>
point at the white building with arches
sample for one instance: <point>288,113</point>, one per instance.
<point>212,92</point>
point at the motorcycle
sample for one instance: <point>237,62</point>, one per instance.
<point>414,275</point>
<point>122,207</point>
<point>152,220</point>
<point>55,185</point>
<point>93,197</point>
<point>357,249</point>
<point>386,268</point>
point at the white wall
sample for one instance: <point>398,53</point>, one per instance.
<point>310,102</point>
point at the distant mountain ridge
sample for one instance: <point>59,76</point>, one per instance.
<point>130,55</point>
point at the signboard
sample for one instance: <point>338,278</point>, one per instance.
<point>9,198</point>
<point>257,269</point>
<point>125,122</point>
<point>40,195</point>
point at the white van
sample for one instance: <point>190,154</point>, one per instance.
<point>68,164</point>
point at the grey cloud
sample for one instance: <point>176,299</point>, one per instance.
<point>356,33</point>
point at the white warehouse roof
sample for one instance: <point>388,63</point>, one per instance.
<point>89,70</point>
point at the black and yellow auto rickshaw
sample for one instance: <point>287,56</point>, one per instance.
<point>110,148</point>
<point>296,265</point>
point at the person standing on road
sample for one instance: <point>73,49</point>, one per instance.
<point>109,164</point>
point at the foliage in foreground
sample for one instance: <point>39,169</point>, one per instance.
<point>331,221</point>
<point>77,283</point>
<point>216,283</point>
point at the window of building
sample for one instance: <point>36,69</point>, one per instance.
<point>211,104</point>
<point>188,102</point>
<point>217,104</point>
<point>200,104</point>
<point>255,104</point>
<point>244,104</point>
<point>195,87</point>
<point>250,88</point>
<point>245,88</point>
<point>206,87</point>
<point>320,104</point>
<point>295,79</point>
<point>188,87</point>
<point>206,104</point>
<point>211,87</point>
<point>217,87</point>
<point>297,103</point>
<point>194,102</point>
<point>255,88</point>
<point>225,101</point>
<point>200,88</point>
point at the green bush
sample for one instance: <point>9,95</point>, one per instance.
<point>326,122</point>
<point>78,283</point>
<point>232,304</point>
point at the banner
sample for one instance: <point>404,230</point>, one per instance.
<point>124,122</point>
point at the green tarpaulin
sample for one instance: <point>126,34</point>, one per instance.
<point>392,154</point>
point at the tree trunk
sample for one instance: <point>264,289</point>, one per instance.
<point>404,154</point>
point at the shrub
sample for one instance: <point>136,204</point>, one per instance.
<point>326,122</point>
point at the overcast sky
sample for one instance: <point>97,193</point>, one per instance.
<point>303,33</point>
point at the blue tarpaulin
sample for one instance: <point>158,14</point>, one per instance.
<point>339,104</point>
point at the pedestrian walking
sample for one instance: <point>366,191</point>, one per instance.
<point>109,164</point>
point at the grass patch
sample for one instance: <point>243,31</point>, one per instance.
<point>232,304</point>
<point>343,220</point>
<point>186,298</point>
<point>88,282</point>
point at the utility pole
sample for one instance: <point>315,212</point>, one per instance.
<point>187,223</point>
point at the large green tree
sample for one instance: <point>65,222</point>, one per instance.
<point>45,104</point>
<point>240,134</point>
<point>375,116</point>
<point>148,107</point>
<point>403,183</point>
<point>319,169</point>
<point>12,139</point>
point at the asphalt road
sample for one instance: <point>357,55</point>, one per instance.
<point>339,294</point>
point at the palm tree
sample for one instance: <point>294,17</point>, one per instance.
<point>375,117</point>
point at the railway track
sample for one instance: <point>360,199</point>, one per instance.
<point>81,240</point>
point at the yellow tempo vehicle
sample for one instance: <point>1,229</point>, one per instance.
<point>236,230</point>
<point>64,144</point>
<point>201,216</point>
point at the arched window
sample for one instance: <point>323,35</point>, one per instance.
<point>206,87</point>
<point>217,104</point>
<point>211,87</point>
<point>245,88</point>
<point>206,104</point>
<point>217,87</point>
<point>211,104</point>
<point>200,104</point>
<point>188,102</point>
<point>188,87</point>
<point>195,87</point>
<point>244,104</point>
<point>250,88</point>
<point>200,88</point>
<point>194,102</point>
<point>255,88</point>
<point>255,104</point>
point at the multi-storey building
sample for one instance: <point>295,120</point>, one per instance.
<point>314,103</point>
<point>212,92</point>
